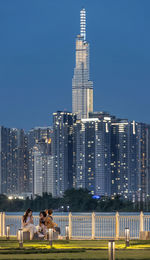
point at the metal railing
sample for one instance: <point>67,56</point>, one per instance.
<point>88,226</point>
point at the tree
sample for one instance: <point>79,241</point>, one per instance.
<point>79,200</point>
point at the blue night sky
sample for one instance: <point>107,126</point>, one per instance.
<point>37,48</point>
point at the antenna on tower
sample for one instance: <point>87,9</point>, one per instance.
<point>83,23</point>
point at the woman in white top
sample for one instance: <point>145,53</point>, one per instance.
<point>27,224</point>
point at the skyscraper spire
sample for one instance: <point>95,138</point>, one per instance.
<point>83,23</point>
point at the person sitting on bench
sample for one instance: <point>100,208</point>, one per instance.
<point>42,226</point>
<point>49,223</point>
<point>27,224</point>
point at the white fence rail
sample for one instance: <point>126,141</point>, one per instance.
<point>88,226</point>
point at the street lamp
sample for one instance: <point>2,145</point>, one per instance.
<point>7,232</point>
<point>111,250</point>
<point>62,208</point>
<point>127,236</point>
<point>20,237</point>
<point>50,233</point>
<point>67,232</point>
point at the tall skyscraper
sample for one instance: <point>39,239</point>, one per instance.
<point>143,190</point>
<point>92,155</point>
<point>43,169</point>
<point>63,151</point>
<point>13,161</point>
<point>82,87</point>
<point>34,136</point>
<point>129,159</point>
<point>120,158</point>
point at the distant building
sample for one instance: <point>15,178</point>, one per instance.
<point>130,161</point>
<point>143,190</point>
<point>133,162</point>
<point>120,158</point>
<point>92,155</point>
<point>63,150</point>
<point>34,136</point>
<point>82,87</point>
<point>43,169</point>
<point>13,161</point>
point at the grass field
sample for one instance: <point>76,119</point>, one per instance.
<point>72,250</point>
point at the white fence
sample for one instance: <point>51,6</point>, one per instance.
<point>88,226</point>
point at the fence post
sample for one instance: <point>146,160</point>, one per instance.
<point>70,225</point>
<point>1,224</point>
<point>3,216</point>
<point>117,225</point>
<point>93,225</point>
<point>141,221</point>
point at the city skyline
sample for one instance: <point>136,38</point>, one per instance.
<point>96,151</point>
<point>120,60</point>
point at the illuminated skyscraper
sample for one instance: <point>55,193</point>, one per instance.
<point>63,151</point>
<point>143,190</point>
<point>82,87</point>
<point>35,136</point>
<point>92,155</point>
<point>13,161</point>
<point>130,163</point>
<point>43,168</point>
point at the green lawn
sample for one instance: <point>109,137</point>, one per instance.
<point>72,250</point>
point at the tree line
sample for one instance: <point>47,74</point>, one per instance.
<point>79,200</point>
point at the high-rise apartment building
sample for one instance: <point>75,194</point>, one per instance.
<point>35,136</point>
<point>82,87</point>
<point>92,155</point>
<point>63,150</point>
<point>143,189</point>
<point>13,161</point>
<point>43,169</point>
<point>120,158</point>
<point>130,161</point>
<point>133,160</point>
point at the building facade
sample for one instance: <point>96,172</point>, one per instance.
<point>43,169</point>
<point>82,86</point>
<point>143,190</point>
<point>35,136</point>
<point>130,161</point>
<point>63,151</point>
<point>13,161</point>
<point>92,156</point>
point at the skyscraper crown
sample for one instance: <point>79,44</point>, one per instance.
<point>83,23</point>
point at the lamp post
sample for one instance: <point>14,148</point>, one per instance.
<point>127,236</point>
<point>62,208</point>
<point>20,237</point>
<point>111,250</point>
<point>50,233</point>
<point>7,232</point>
<point>67,232</point>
